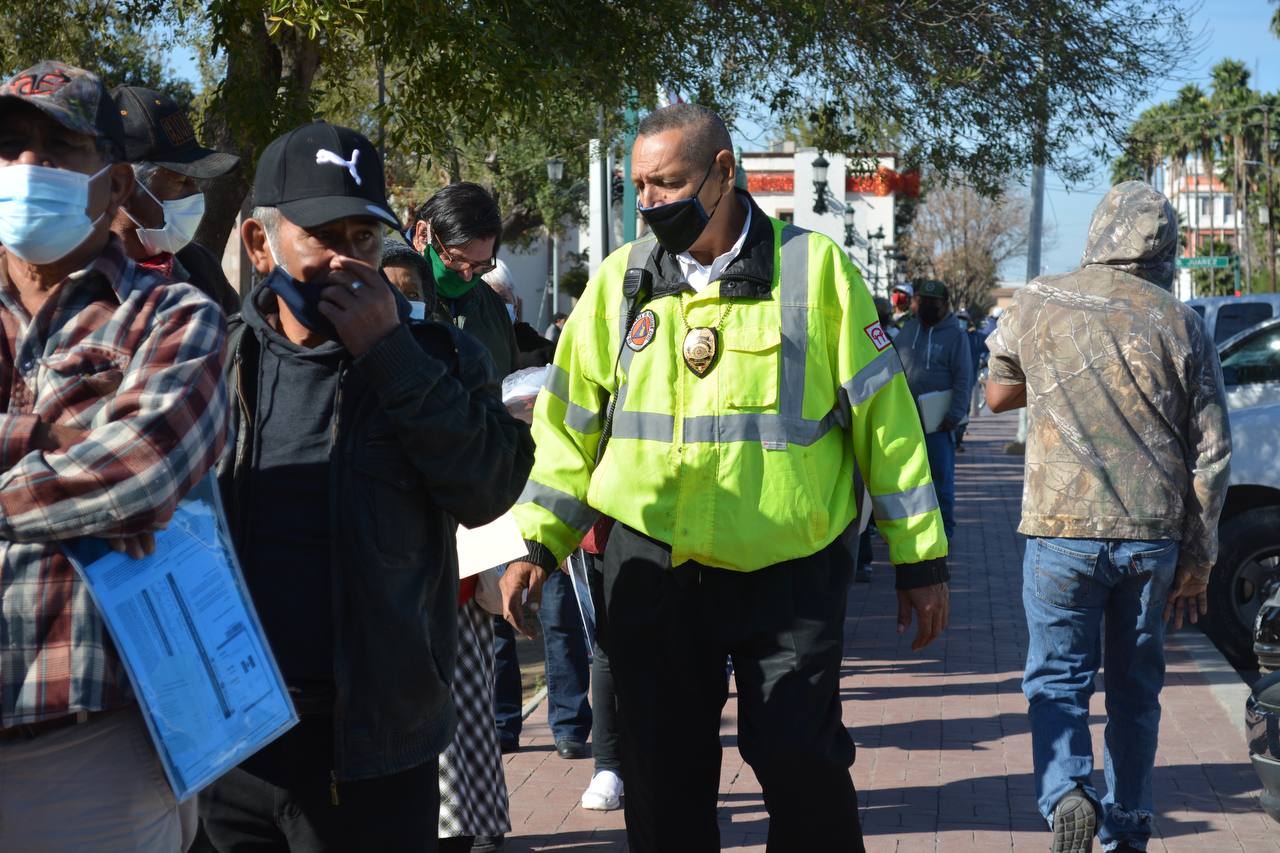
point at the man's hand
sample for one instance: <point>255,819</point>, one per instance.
<point>56,438</point>
<point>946,425</point>
<point>1189,597</point>
<point>137,547</point>
<point>364,311</point>
<point>933,606</point>
<point>520,576</point>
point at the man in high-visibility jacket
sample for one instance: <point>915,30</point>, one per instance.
<point>735,367</point>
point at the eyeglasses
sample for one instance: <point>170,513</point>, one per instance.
<point>451,260</point>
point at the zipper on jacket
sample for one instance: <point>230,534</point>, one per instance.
<point>335,582</point>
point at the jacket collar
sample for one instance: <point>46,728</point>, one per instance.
<point>748,276</point>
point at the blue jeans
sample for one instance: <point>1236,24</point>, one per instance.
<point>1069,587</point>
<point>941,447</point>
<point>567,667</point>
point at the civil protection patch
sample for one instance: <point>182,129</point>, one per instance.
<point>642,330</point>
<point>878,336</point>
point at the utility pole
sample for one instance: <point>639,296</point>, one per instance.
<point>1271,225</point>
<point>1037,213</point>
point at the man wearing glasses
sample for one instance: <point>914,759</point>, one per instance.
<point>458,230</point>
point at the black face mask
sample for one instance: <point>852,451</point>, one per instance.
<point>931,313</point>
<point>303,299</point>
<point>677,225</point>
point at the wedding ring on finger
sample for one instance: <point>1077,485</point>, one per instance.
<point>356,285</point>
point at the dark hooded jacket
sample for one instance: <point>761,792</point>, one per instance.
<point>420,442</point>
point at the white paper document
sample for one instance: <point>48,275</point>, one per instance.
<point>933,409</point>
<point>188,635</point>
<point>494,544</point>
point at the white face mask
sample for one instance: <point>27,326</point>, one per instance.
<point>181,219</point>
<point>44,212</point>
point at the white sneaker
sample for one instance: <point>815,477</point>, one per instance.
<point>604,794</point>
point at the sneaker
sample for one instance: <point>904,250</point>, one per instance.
<point>1015,448</point>
<point>604,794</point>
<point>488,843</point>
<point>1074,822</point>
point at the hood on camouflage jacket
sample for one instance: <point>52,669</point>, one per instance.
<point>1134,229</point>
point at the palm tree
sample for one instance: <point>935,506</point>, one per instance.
<point>1233,99</point>
<point>1186,137</point>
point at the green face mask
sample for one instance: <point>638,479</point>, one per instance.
<point>449,284</point>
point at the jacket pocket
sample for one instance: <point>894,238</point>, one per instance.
<point>395,499</point>
<point>750,381</point>
<point>76,384</point>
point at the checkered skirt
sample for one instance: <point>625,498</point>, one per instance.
<point>473,788</point>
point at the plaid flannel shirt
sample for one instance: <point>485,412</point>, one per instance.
<point>135,360</point>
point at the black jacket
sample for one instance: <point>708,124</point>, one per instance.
<point>420,444</point>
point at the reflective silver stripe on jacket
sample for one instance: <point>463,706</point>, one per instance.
<point>562,505</point>
<point>898,505</point>
<point>583,420</point>
<point>873,376</point>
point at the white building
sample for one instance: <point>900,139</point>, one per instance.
<point>782,183</point>
<point>1206,213</point>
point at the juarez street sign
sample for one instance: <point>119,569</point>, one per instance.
<point>1206,262</point>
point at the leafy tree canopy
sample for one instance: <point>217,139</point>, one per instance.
<point>967,84</point>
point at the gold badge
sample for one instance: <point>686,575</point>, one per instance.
<point>700,350</point>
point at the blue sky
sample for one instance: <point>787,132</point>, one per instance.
<point>1229,29</point>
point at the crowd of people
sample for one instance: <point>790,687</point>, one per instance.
<point>723,416</point>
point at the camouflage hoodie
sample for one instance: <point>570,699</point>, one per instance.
<point>1128,435</point>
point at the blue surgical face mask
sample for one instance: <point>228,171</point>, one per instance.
<point>44,212</point>
<point>303,299</point>
<point>511,313</point>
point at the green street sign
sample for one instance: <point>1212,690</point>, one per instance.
<point>1206,263</point>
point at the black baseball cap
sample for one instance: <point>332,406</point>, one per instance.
<point>320,173</point>
<point>157,130</point>
<point>71,96</point>
<point>932,288</point>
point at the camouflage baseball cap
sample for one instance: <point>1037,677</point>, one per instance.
<point>932,288</point>
<point>71,96</point>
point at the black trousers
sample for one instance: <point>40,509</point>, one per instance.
<point>280,801</point>
<point>667,632</point>
<point>604,700</point>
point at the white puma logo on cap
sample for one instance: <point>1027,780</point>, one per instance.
<point>324,155</point>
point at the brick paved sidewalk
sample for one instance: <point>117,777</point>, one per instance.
<point>943,743</point>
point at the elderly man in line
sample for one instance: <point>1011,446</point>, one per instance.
<point>113,408</point>
<point>362,440</point>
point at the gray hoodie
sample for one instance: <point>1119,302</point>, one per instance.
<point>938,358</point>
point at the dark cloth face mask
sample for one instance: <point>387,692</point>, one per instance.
<point>303,299</point>
<point>677,225</point>
<point>931,313</point>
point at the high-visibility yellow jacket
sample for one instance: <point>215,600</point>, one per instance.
<point>761,459</point>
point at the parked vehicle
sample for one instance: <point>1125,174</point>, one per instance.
<point>1227,316</point>
<point>1262,731</point>
<point>1248,567</point>
<point>1251,366</point>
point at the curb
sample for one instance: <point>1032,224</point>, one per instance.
<point>536,700</point>
<point>1224,682</point>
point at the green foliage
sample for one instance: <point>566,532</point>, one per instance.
<point>574,280</point>
<point>963,84</point>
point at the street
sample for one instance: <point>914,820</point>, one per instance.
<point>944,749</point>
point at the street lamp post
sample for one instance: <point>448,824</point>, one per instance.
<point>873,259</point>
<point>555,172</point>
<point>820,165</point>
<point>848,226</point>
